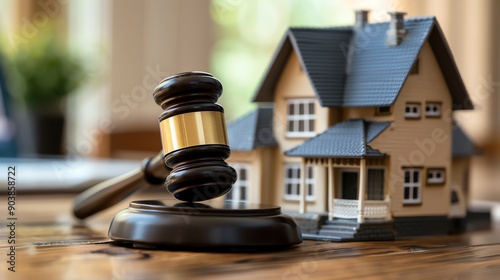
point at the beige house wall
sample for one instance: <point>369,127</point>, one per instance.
<point>317,205</point>
<point>423,143</point>
<point>294,83</point>
<point>254,161</point>
<point>261,173</point>
<point>268,172</point>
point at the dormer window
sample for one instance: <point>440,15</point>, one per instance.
<point>300,118</point>
<point>412,110</point>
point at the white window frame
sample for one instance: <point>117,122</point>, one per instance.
<point>240,184</point>
<point>433,178</point>
<point>411,185</point>
<point>295,182</point>
<point>436,109</point>
<point>412,114</point>
<point>296,118</point>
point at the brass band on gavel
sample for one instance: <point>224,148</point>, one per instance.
<point>194,136</point>
<point>193,129</point>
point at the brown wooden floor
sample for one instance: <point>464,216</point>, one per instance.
<point>51,245</point>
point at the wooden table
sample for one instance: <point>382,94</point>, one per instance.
<point>50,244</point>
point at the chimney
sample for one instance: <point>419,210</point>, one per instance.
<point>396,32</point>
<point>361,18</point>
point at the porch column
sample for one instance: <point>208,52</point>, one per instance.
<point>302,204</point>
<point>330,189</point>
<point>362,187</point>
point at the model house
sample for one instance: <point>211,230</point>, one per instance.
<point>355,134</point>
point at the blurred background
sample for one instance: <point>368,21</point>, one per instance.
<point>76,76</point>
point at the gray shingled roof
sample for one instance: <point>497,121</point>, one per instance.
<point>376,72</point>
<point>462,145</point>
<point>346,139</point>
<point>252,131</point>
<point>324,60</point>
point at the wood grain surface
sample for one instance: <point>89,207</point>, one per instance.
<point>50,244</point>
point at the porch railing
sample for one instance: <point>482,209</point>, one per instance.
<point>348,209</point>
<point>376,209</point>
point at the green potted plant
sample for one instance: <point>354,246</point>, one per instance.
<point>44,73</point>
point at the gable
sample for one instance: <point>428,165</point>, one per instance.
<point>449,69</point>
<point>322,55</point>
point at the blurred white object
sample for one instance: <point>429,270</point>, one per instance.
<point>61,175</point>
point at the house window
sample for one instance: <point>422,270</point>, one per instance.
<point>412,186</point>
<point>292,182</point>
<point>375,188</point>
<point>239,192</point>
<point>310,182</point>
<point>412,110</point>
<point>436,176</point>
<point>433,109</point>
<point>300,118</point>
<point>414,68</point>
<point>383,110</point>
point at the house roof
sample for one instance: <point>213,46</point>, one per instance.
<point>252,131</point>
<point>462,146</point>
<point>346,139</point>
<point>350,67</point>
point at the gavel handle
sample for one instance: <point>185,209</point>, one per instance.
<point>112,191</point>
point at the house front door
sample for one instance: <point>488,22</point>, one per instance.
<point>350,185</point>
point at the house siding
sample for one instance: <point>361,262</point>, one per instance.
<point>422,143</point>
<point>294,83</point>
<point>260,174</point>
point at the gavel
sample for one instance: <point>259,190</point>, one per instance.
<point>195,146</point>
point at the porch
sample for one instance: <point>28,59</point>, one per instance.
<point>358,193</point>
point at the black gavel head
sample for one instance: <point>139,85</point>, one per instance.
<point>194,136</point>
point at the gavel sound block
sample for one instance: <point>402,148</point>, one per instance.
<point>195,147</point>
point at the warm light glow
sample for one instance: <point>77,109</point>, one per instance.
<point>249,32</point>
